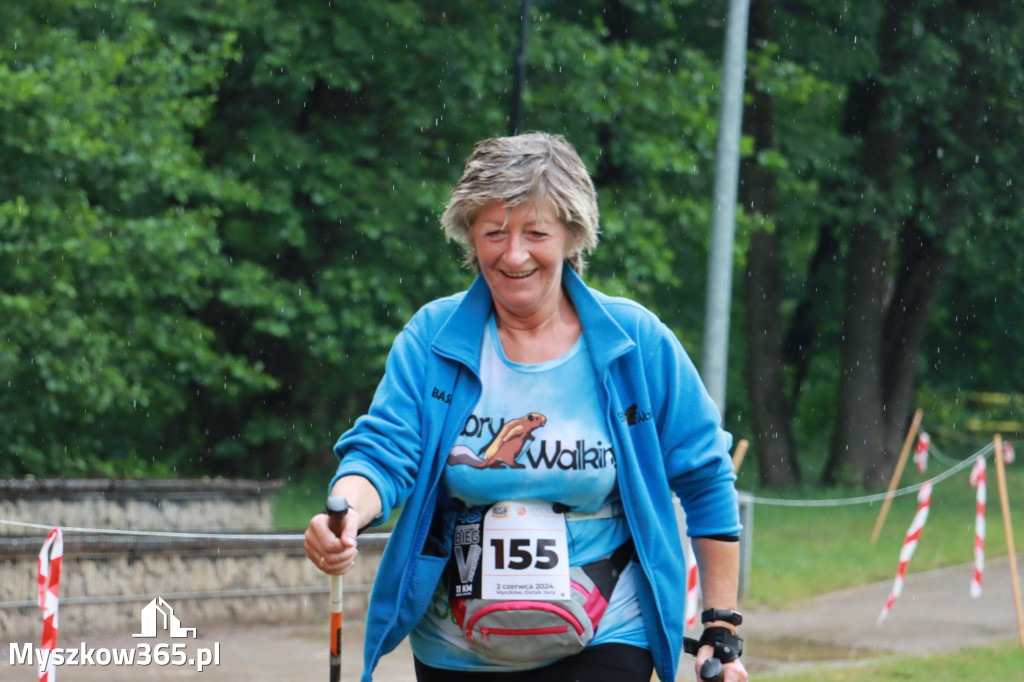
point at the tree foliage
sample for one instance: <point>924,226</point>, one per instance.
<point>222,213</point>
<point>215,216</point>
<point>917,173</point>
<point>110,241</point>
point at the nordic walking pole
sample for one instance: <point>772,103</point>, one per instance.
<point>1004,502</point>
<point>908,442</point>
<point>337,505</point>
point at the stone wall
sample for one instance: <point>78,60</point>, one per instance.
<point>211,579</point>
<point>158,505</point>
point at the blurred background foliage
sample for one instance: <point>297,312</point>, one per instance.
<point>215,216</point>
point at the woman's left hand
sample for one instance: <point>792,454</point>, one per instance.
<point>733,671</point>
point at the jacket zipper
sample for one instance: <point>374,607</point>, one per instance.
<point>421,529</point>
<point>638,542</point>
<point>508,632</point>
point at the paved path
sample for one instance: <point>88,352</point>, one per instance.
<point>935,613</point>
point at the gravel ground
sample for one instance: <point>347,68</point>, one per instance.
<point>934,614</point>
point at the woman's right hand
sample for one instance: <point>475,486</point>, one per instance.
<point>330,553</point>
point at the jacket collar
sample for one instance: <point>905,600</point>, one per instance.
<point>461,334</point>
<point>605,338</point>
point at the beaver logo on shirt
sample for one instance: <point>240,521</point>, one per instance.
<point>504,448</point>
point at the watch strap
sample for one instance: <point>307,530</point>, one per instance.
<point>725,615</point>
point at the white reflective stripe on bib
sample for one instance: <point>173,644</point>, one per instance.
<point>526,554</point>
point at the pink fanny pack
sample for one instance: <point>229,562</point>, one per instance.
<point>524,631</point>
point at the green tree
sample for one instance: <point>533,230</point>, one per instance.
<point>108,239</point>
<point>353,121</point>
<point>917,177</point>
<point>214,217</point>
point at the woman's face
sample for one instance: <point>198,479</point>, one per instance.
<point>521,250</point>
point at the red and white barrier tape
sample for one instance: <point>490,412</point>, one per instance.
<point>48,578</point>
<point>978,480</point>
<point>691,586</point>
<point>924,441</point>
<point>924,500</point>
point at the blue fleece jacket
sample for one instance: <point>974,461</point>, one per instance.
<point>664,426</point>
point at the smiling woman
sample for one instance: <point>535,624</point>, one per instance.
<point>531,168</point>
<point>520,250</point>
<point>538,525</point>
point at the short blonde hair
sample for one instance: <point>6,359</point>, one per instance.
<point>519,169</point>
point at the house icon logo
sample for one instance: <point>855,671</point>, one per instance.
<point>158,615</point>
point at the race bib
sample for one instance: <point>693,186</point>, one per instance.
<point>525,552</point>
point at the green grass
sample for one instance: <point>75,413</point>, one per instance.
<point>1004,661</point>
<point>804,551</point>
<point>301,498</point>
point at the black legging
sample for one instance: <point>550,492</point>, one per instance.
<point>601,663</point>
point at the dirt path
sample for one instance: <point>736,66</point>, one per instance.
<point>935,613</point>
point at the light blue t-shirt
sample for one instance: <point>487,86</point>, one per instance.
<point>538,432</point>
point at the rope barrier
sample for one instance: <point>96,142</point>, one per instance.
<point>978,481</point>
<point>772,501</point>
<point>779,502</point>
<point>945,459</point>
<point>285,537</point>
<point>924,500</point>
<point>51,557</point>
<point>157,533</point>
<point>963,464</point>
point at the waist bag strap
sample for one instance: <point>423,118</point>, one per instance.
<point>605,572</point>
<point>609,511</point>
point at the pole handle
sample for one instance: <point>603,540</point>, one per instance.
<point>336,508</point>
<point>711,670</point>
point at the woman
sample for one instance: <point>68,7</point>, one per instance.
<point>533,430</point>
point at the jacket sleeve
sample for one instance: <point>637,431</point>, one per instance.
<point>694,446</point>
<point>384,445</point>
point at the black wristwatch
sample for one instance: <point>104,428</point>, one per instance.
<point>724,615</point>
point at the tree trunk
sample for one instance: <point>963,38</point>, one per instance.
<point>859,451</point>
<point>923,266</point>
<point>859,436</point>
<point>770,409</point>
<point>803,326</point>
